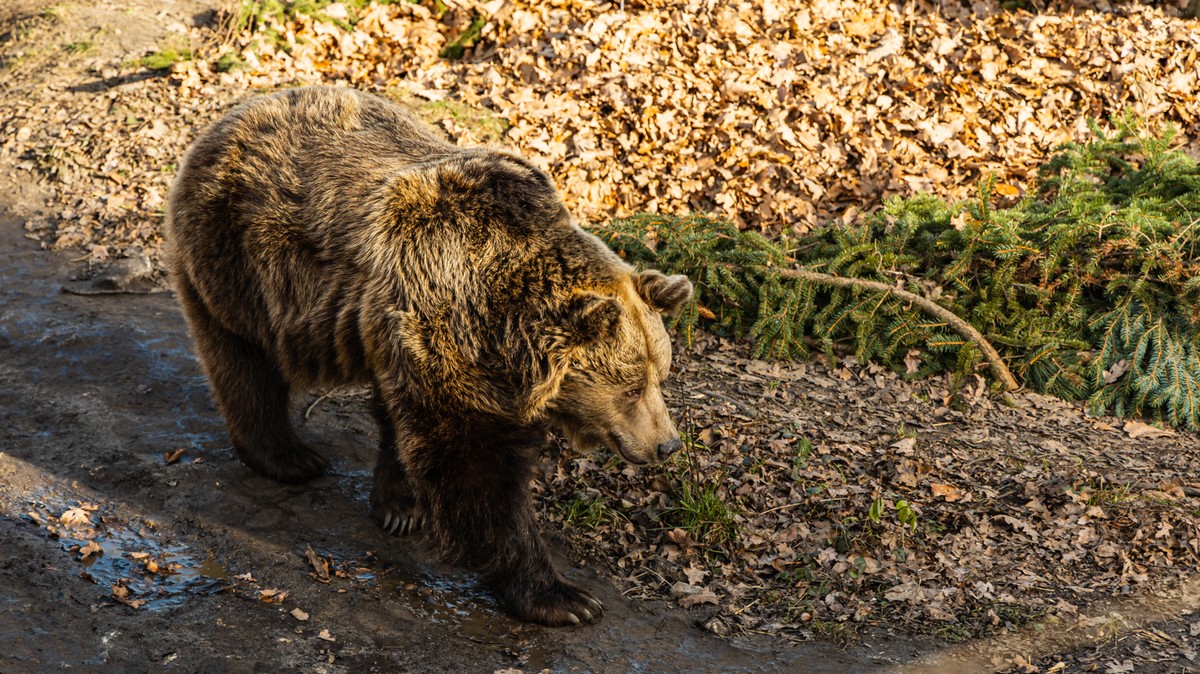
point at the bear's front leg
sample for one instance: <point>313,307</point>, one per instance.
<point>476,489</point>
<point>394,502</point>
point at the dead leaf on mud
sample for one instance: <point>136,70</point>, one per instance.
<point>701,597</point>
<point>122,594</point>
<point>173,456</point>
<point>92,548</point>
<point>299,614</point>
<point>326,636</point>
<point>248,577</point>
<point>320,565</point>
<point>74,517</point>
<point>690,595</point>
<point>272,596</point>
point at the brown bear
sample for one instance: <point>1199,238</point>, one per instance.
<point>323,237</point>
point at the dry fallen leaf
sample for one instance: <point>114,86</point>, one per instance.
<point>92,548</point>
<point>273,596</point>
<point>704,596</point>
<point>945,491</point>
<point>123,595</point>
<point>320,566</point>
<point>172,457</point>
<point>75,516</point>
<point>1138,429</point>
<point>326,636</point>
<point>299,615</point>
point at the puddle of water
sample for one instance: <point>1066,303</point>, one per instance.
<point>457,600</point>
<point>464,604</point>
<point>141,570</point>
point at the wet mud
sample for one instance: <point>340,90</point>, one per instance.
<point>134,540</point>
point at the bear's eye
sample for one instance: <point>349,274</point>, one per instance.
<point>633,395</point>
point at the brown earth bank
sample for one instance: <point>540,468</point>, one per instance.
<point>924,527</point>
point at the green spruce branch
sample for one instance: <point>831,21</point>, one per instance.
<point>1086,288</point>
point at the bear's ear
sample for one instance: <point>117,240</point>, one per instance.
<point>593,317</point>
<point>665,294</point>
<point>588,318</point>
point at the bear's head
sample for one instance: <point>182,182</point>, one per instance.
<point>609,383</point>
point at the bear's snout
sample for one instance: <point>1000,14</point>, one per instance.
<point>668,448</point>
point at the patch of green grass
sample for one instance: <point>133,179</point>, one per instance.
<point>455,48</point>
<point>52,14</point>
<point>252,14</point>
<point>841,633</point>
<point>587,512</point>
<point>1111,496</point>
<point>229,62</point>
<point>489,127</point>
<point>704,513</point>
<point>174,49</point>
<point>804,449</point>
<point>955,633</point>
<point>81,47</point>
<point>701,507</point>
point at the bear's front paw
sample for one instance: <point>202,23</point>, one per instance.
<point>291,464</point>
<point>560,604</point>
<point>395,507</point>
<point>399,523</point>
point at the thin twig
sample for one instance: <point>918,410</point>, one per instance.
<point>999,369</point>
<point>323,396</point>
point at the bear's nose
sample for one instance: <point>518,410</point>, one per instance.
<point>669,447</point>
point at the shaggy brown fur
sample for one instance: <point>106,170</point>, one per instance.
<point>324,237</point>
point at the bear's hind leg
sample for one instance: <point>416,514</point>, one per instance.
<point>393,501</point>
<point>253,396</point>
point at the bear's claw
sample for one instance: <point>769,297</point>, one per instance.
<point>561,604</point>
<point>402,525</point>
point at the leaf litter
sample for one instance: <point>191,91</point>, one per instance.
<point>779,115</point>
<point>812,496</point>
<point>880,504</point>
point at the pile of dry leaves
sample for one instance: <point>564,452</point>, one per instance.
<point>777,113</point>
